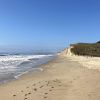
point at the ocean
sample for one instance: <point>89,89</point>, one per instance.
<point>13,66</point>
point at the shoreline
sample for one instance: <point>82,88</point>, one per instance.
<point>60,79</point>
<point>37,67</point>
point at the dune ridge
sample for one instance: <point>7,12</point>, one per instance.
<point>86,61</point>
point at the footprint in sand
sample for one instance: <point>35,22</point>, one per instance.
<point>22,91</point>
<point>59,82</point>
<point>25,98</point>
<point>54,81</point>
<point>14,95</point>
<point>47,84</point>
<point>25,94</point>
<point>52,87</point>
<point>78,76</point>
<point>50,90</point>
<point>45,97</point>
<point>74,78</point>
<point>35,89</point>
<point>41,86</point>
<point>60,85</point>
<point>89,95</point>
<point>45,93</point>
<point>70,81</point>
<point>39,82</point>
<point>29,93</point>
<point>27,87</point>
<point>34,84</point>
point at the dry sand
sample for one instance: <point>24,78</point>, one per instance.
<point>89,62</point>
<point>61,79</point>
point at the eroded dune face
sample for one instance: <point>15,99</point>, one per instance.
<point>67,52</point>
<point>86,61</point>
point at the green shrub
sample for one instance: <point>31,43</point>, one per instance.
<point>86,49</point>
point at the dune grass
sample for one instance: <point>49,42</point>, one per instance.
<point>86,49</point>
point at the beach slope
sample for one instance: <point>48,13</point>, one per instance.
<point>61,79</point>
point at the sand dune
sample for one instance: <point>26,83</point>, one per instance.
<point>86,61</point>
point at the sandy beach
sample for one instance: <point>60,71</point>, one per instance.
<point>61,79</point>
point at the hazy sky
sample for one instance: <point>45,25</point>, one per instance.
<point>48,23</point>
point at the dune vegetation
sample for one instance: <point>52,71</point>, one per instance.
<point>86,49</point>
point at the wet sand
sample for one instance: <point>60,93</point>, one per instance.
<point>61,79</point>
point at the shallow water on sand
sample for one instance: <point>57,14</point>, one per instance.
<point>13,66</point>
